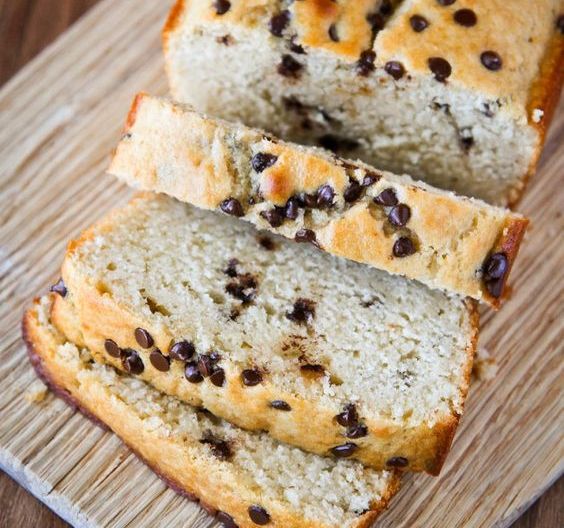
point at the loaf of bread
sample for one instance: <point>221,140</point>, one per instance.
<point>457,93</point>
<point>323,353</point>
<point>346,208</point>
<point>244,479</point>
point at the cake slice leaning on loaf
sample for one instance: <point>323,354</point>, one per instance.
<point>245,479</point>
<point>323,353</point>
<point>346,208</point>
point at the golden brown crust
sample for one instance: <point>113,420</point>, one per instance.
<point>165,456</point>
<point>173,20</point>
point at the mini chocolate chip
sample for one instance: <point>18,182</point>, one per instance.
<point>262,160</point>
<point>344,450</point>
<point>217,377</point>
<point>131,361</point>
<point>181,350</point>
<point>356,431</point>
<point>466,142</point>
<point>303,311</point>
<point>219,448</point>
<point>258,515</point>
<point>279,22</point>
<point>59,287</point>
<point>280,405</point>
<point>111,348</point>
<point>446,2</point>
<point>244,288</point>
<point>495,287</point>
<point>376,21</point>
<point>231,269</point>
<point>397,462</point>
<point>226,40</point>
<point>266,243</point>
<point>205,365</point>
<point>222,6</point>
<point>365,65</point>
<point>251,377</point>
<point>296,48</point>
<point>418,23</point>
<point>352,192</point>
<point>399,215</point>
<point>306,235</point>
<point>370,179</point>
<point>226,520</point>
<point>560,23</point>
<point>495,266</point>
<point>275,217</point>
<point>232,207</point>
<point>144,338</point>
<point>387,197</point>
<point>325,195</point>
<point>192,372</point>
<point>491,60</point>
<point>465,17</point>
<point>403,247</point>
<point>306,200</point>
<point>440,67</point>
<point>289,67</point>
<point>348,417</point>
<point>159,361</point>
<point>395,69</point>
<point>333,35</point>
<point>292,209</point>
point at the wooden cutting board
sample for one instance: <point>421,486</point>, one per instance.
<point>59,119</point>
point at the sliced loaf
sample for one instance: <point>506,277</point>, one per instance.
<point>457,93</point>
<point>346,208</point>
<point>245,479</point>
<point>323,353</point>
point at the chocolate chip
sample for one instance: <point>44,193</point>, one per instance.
<point>466,142</point>
<point>491,60</point>
<point>205,365</point>
<point>266,243</point>
<point>111,348</point>
<point>296,48</point>
<point>251,377</point>
<point>289,67</point>
<point>306,235</point>
<point>440,67</point>
<point>291,210</point>
<point>395,69</point>
<point>280,405</point>
<point>370,179</point>
<point>397,462</point>
<point>344,450</point>
<point>279,22</point>
<point>192,372</point>
<point>387,198</point>
<point>60,288</point>
<point>337,144</point>
<point>231,269</point>
<point>399,215</point>
<point>325,195</point>
<point>418,23</point>
<point>356,431</point>
<point>376,21</point>
<point>495,268</point>
<point>244,288</point>
<point>306,200</point>
<point>217,377</point>
<point>303,311</point>
<point>131,361</point>
<point>181,350</point>
<point>560,23</point>
<point>365,65</point>
<point>232,207</point>
<point>352,192</point>
<point>258,515</point>
<point>159,361</point>
<point>465,17</point>
<point>348,417</point>
<point>446,2</point>
<point>222,6</point>
<point>226,40</point>
<point>219,448</point>
<point>333,35</point>
<point>403,247</point>
<point>275,217</point>
<point>262,160</point>
<point>226,520</point>
<point>144,338</point>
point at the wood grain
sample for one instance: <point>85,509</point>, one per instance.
<point>54,145</point>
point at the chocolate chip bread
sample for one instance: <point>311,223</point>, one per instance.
<point>457,93</point>
<point>244,479</point>
<point>323,353</point>
<point>344,207</point>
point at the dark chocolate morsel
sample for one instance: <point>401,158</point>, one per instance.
<point>144,338</point>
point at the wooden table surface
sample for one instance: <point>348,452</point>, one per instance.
<point>26,27</point>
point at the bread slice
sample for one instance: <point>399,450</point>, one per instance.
<point>459,94</point>
<point>244,478</point>
<point>323,353</point>
<point>346,208</point>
